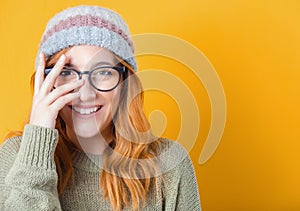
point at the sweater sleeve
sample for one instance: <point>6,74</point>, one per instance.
<point>188,196</point>
<point>31,181</point>
<point>181,192</point>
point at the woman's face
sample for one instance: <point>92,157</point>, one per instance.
<point>92,112</point>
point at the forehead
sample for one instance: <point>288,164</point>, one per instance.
<point>83,56</point>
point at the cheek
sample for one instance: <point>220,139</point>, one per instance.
<point>114,99</point>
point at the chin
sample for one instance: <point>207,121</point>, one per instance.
<point>87,135</point>
<point>86,126</point>
<point>90,130</point>
<point>87,132</point>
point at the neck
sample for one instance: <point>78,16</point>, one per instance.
<point>92,145</point>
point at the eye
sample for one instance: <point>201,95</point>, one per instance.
<point>67,72</point>
<point>104,72</point>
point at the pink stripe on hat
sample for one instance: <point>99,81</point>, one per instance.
<point>86,20</point>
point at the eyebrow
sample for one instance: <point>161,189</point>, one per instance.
<point>102,63</point>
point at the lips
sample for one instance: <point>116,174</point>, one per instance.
<point>86,110</point>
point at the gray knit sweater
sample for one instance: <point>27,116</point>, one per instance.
<point>28,177</point>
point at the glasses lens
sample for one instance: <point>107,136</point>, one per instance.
<point>66,76</point>
<point>105,78</point>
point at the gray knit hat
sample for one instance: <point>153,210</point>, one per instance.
<point>90,25</point>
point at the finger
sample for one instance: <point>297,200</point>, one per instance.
<point>62,101</point>
<point>51,77</point>
<point>62,90</point>
<point>39,74</point>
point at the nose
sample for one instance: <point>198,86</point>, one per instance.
<point>87,92</point>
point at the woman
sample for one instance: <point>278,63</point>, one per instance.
<point>88,145</point>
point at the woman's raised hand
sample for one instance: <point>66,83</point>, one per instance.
<point>47,102</point>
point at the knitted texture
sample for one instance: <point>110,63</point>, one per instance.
<point>27,184</point>
<point>88,25</point>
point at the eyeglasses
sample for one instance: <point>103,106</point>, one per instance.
<point>104,78</point>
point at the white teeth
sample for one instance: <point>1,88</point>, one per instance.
<point>85,110</point>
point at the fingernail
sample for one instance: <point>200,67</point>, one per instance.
<point>41,56</point>
<point>79,81</point>
<point>62,58</point>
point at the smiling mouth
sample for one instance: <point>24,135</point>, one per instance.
<point>86,111</point>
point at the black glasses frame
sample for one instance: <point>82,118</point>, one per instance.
<point>120,69</point>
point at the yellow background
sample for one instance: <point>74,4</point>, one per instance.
<point>255,49</point>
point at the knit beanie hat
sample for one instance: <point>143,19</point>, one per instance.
<point>88,25</point>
